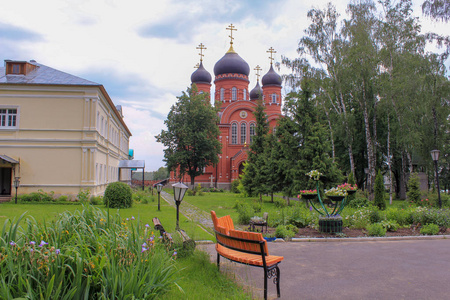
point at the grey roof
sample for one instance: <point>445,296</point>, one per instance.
<point>44,75</point>
<point>8,159</point>
<point>131,164</point>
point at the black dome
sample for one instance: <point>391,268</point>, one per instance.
<point>256,92</point>
<point>231,62</point>
<point>201,75</point>
<point>271,78</point>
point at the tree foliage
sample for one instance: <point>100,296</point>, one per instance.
<point>191,138</point>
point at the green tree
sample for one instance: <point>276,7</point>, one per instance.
<point>414,188</point>
<point>191,138</point>
<point>379,191</point>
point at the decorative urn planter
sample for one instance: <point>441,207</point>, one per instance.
<point>330,224</point>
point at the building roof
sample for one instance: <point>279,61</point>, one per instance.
<point>44,75</point>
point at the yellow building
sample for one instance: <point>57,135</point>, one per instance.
<point>58,132</point>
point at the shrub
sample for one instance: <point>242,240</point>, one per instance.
<point>359,202</point>
<point>414,188</point>
<point>402,216</point>
<point>31,197</point>
<point>280,202</point>
<point>83,195</point>
<point>374,216</point>
<point>284,232</point>
<point>359,219</point>
<point>379,200</point>
<point>376,230</point>
<point>431,216</point>
<point>245,212</point>
<point>63,198</point>
<point>429,229</point>
<point>118,195</point>
<point>390,225</point>
<point>96,200</point>
<point>257,207</point>
<point>235,186</point>
<point>300,217</point>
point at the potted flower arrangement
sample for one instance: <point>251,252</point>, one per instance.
<point>314,175</point>
<point>307,194</point>
<point>336,194</point>
<point>350,188</point>
<point>330,224</point>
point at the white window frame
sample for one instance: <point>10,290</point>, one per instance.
<point>245,94</point>
<point>274,98</point>
<point>7,116</point>
<point>243,132</point>
<point>222,94</point>
<point>233,93</point>
<point>234,133</point>
<point>252,131</point>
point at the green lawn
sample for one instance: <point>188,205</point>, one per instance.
<point>144,212</point>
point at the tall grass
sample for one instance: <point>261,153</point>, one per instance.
<point>83,255</point>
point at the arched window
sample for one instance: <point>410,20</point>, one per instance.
<point>252,132</point>
<point>274,98</point>
<point>222,94</point>
<point>234,133</point>
<point>243,132</point>
<point>245,94</point>
<point>234,93</point>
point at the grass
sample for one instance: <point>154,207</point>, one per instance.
<point>144,212</point>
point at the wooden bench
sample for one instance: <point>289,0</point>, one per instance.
<point>248,248</point>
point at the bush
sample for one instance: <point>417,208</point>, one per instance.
<point>429,229</point>
<point>414,188</point>
<point>96,200</point>
<point>83,195</point>
<point>359,202</point>
<point>390,225</point>
<point>379,200</point>
<point>374,216</point>
<point>280,202</point>
<point>245,212</point>
<point>376,230</point>
<point>235,186</point>
<point>431,216</point>
<point>359,219</point>
<point>31,197</point>
<point>400,215</point>
<point>301,217</point>
<point>285,232</point>
<point>118,195</point>
<point>63,198</point>
<point>257,207</point>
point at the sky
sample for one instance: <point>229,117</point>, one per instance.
<point>144,51</point>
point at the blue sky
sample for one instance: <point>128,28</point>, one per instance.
<point>144,51</point>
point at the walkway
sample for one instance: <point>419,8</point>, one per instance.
<point>407,269</point>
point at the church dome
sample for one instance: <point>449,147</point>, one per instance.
<point>231,62</point>
<point>201,75</point>
<point>257,92</point>
<point>271,78</point>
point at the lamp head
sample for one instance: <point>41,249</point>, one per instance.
<point>435,155</point>
<point>179,190</point>
<point>159,187</point>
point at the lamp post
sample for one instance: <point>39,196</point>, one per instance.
<point>179,190</point>
<point>435,157</point>
<point>16,185</point>
<point>159,187</point>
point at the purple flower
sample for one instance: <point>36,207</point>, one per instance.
<point>31,250</point>
<point>132,218</point>
<point>144,245</point>
<point>152,238</point>
<point>160,237</point>
<point>12,243</point>
<point>310,208</point>
<point>144,249</point>
<point>32,243</point>
<point>174,253</point>
<point>146,225</point>
<point>57,251</point>
<point>128,219</point>
<point>42,244</point>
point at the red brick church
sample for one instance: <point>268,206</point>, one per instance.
<point>237,122</point>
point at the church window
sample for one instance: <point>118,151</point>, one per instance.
<point>245,94</point>
<point>252,132</point>
<point>274,98</point>
<point>222,94</point>
<point>234,133</point>
<point>8,118</point>
<point>234,93</point>
<point>243,133</point>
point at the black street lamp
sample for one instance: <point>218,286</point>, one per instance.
<point>159,187</point>
<point>179,190</point>
<point>435,157</point>
<point>16,185</point>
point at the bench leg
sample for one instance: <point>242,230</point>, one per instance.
<point>266,275</point>
<point>278,282</point>
<point>218,261</point>
<point>274,273</point>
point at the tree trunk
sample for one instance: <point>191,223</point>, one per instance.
<point>271,196</point>
<point>369,145</point>
<point>389,159</point>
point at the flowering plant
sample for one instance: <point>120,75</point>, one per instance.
<point>348,187</point>
<point>336,191</point>
<point>307,192</point>
<point>314,174</point>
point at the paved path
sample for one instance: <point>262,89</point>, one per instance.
<point>406,269</point>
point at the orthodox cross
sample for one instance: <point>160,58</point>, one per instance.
<point>211,177</point>
<point>197,66</point>
<point>271,51</point>
<point>201,47</point>
<point>231,27</point>
<point>257,69</point>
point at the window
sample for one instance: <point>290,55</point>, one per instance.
<point>222,94</point>
<point>274,98</point>
<point>243,133</point>
<point>245,94</point>
<point>101,129</point>
<point>234,133</point>
<point>8,118</point>
<point>234,93</point>
<point>16,69</point>
<point>252,132</point>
